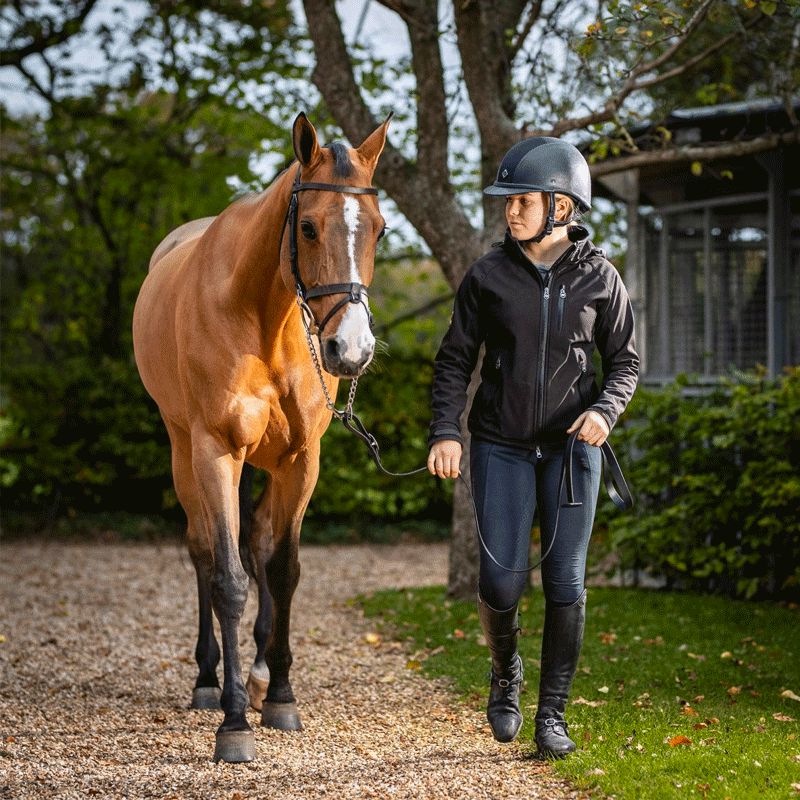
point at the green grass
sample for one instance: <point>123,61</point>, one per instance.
<point>658,664</point>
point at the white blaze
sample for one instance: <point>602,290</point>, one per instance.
<point>353,334</point>
<point>351,220</point>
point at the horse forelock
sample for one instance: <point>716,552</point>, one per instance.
<point>342,165</point>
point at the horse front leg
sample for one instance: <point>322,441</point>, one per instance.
<point>217,474</point>
<point>260,549</point>
<point>291,492</point>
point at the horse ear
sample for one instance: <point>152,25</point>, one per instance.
<point>372,147</point>
<point>304,139</point>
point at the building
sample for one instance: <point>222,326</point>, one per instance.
<point>713,259</point>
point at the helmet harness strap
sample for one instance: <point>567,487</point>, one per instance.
<point>550,223</point>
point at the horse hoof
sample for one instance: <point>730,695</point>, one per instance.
<point>256,690</point>
<point>235,747</point>
<point>282,716</point>
<point>206,698</point>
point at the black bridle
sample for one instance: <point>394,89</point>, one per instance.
<point>355,292</point>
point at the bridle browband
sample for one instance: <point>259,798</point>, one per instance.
<point>356,292</point>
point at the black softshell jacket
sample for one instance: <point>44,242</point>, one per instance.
<point>537,374</point>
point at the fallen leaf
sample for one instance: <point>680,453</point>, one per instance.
<point>679,740</point>
<point>699,725</point>
<point>688,711</point>
<point>603,689</point>
<point>732,690</point>
<point>372,638</point>
<point>782,717</point>
<point>596,771</point>
<point>696,656</point>
<point>582,701</point>
<point>712,720</point>
<point>413,664</point>
<point>2,638</point>
<point>710,740</point>
<point>657,640</point>
<point>726,654</point>
<point>458,633</point>
<point>796,788</point>
<point>698,698</point>
<point>790,695</point>
<point>608,638</point>
<point>386,678</point>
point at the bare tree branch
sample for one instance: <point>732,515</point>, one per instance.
<point>530,20</point>
<point>709,152</point>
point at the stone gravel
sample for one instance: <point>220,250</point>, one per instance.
<point>97,667</point>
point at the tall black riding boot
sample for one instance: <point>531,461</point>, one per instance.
<point>561,647</point>
<point>500,629</point>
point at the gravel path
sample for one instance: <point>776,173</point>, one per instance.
<point>96,671</point>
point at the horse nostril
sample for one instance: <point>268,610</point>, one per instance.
<point>332,349</point>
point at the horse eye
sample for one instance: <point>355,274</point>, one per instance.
<point>383,232</point>
<point>309,231</point>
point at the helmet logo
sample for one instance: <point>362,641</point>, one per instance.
<point>504,173</point>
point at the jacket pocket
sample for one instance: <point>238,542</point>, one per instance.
<point>491,389</point>
<point>580,357</point>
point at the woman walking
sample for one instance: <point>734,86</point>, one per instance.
<point>541,302</point>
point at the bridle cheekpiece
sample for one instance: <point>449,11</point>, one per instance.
<point>355,292</point>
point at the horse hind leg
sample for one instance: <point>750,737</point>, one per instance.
<point>207,692</point>
<point>291,492</point>
<point>255,546</point>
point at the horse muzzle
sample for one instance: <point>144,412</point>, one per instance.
<point>346,358</point>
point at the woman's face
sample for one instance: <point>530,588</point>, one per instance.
<point>526,214</point>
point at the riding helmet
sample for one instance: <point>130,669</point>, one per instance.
<point>544,164</point>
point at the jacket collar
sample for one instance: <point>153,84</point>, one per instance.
<point>578,235</point>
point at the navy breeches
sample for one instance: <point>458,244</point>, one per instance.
<point>508,484</point>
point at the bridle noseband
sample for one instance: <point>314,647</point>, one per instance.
<point>355,292</point>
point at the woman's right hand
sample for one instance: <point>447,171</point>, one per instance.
<point>444,458</point>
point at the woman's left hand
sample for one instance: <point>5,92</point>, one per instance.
<point>593,428</point>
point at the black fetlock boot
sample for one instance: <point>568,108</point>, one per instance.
<point>500,629</point>
<point>561,647</point>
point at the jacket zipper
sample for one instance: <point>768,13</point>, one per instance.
<point>543,353</point>
<point>562,296</point>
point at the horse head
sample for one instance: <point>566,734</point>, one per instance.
<point>328,258</point>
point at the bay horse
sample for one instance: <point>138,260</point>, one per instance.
<point>222,347</point>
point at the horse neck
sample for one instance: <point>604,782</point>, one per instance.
<point>257,286</point>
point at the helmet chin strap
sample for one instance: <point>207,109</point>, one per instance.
<point>550,224</point>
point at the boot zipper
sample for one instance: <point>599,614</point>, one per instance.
<point>562,296</point>
<point>538,452</point>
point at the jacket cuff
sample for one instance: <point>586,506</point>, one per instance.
<point>605,415</point>
<point>445,431</point>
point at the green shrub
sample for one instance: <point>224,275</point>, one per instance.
<point>716,478</point>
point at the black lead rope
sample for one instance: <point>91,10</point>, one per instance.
<point>614,480</point>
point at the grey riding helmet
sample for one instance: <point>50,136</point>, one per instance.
<point>545,164</point>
